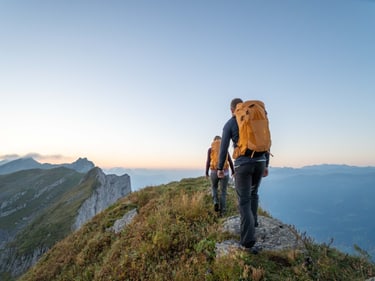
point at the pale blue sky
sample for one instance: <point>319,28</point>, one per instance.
<point>148,83</point>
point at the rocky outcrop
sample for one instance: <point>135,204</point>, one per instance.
<point>108,190</point>
<point>120,224</point>
<point>271,234</point>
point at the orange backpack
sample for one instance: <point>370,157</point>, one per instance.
<point>253,126</point>
<point>215,150</point>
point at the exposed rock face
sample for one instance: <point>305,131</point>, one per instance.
<point>120,224</point>
<point>108,190</point>
<point>271,234</point>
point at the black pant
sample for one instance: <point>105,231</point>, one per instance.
<point>247,181</point>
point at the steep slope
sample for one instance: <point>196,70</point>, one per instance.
<point>41,207</point>
<point>173,235</point>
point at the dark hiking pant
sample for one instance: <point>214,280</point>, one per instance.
<point>219,190</point>
<point>247,181</point>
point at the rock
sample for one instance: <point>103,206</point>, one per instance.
<point>124,221</point>
<point>271,234</point>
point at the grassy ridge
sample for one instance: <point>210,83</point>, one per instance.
<point>25,188</point>
<point>56,222</point>
<point>173,238</point>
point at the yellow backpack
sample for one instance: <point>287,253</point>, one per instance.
<point>254,133</point>
<point>215,150</point>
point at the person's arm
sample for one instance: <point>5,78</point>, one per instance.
<point>225,140</point>
<point>265,174</point>
<point>231,163</point>
<point>208,161</point>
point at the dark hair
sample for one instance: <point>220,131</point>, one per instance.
<point>234,103</point>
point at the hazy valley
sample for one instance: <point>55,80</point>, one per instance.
<point>327,201</point>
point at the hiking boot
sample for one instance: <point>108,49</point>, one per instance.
<point>248,245</point>
<point>253,250</point>
<point>216,207</point>
<point>222,213</point>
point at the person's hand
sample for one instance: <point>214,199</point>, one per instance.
<point>265,173</point>
<point>220,174</point>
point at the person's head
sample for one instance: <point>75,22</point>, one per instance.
<point>217,138</point>
<point>234,103</point>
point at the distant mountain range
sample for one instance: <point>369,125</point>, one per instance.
<point>81,165</point>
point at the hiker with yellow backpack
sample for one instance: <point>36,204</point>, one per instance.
<point>248,129</point>
<point>212,164</point>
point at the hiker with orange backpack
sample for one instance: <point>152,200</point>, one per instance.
<point>248,129</point>
<point>211,164</point>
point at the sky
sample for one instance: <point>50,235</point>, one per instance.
<point>147,84</point>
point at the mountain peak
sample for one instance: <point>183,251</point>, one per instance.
<point>81,165</point>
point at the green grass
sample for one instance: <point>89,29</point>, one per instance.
<point>173,238</point>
